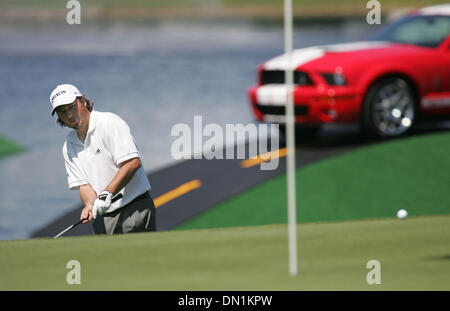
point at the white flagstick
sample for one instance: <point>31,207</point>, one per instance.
<point>290,133</point>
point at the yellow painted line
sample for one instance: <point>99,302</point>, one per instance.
<point>264,158</point>
<point>177,192</point>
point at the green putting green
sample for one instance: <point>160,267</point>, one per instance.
<point>413,255</point>
<point>7,147</point>
<point>372,182</point>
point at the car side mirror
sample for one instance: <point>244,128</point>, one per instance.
<point>445,45</point>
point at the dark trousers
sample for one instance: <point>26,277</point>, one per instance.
<point>137,216</point>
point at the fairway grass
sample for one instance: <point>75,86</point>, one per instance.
<point>414,255</point>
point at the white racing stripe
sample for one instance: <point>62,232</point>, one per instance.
<point>272,95</point>
<point>355,46</point>
<point>299,57</point>
<point>442,9</point>
<point>303,56</point>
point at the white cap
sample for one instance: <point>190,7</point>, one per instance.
<point>63,94</point>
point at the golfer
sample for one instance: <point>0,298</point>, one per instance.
<point>101,161</point>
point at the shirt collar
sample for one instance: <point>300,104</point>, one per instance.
<point>73,137</point>
<point>92,121</point>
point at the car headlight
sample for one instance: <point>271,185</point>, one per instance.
<point>334,78</point>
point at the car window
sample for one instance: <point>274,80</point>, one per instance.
<point>421,30</point>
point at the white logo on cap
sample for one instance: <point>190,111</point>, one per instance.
<point>57,94</point>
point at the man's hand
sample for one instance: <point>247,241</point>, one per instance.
<point>88,197</point>
<point>102,203</point>
<point>86,214</point>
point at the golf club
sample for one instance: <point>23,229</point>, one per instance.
<point>114,199</point>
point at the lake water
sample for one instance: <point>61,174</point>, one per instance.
<point>153,75</point>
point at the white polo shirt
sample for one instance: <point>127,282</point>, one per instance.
<point>108,143</point>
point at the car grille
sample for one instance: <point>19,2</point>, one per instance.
<point>277,77</point>
<point>280,110</point>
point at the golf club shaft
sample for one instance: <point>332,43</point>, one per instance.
<point>65,230</point>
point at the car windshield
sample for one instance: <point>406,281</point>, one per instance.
<point>428,31</point>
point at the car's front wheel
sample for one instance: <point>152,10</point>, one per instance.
<point>389,108</point>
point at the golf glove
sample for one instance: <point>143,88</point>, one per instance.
<point>102,203</point>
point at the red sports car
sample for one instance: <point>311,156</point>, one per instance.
<point>401,74</point>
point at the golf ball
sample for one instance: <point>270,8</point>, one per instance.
<point>402,214</point>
